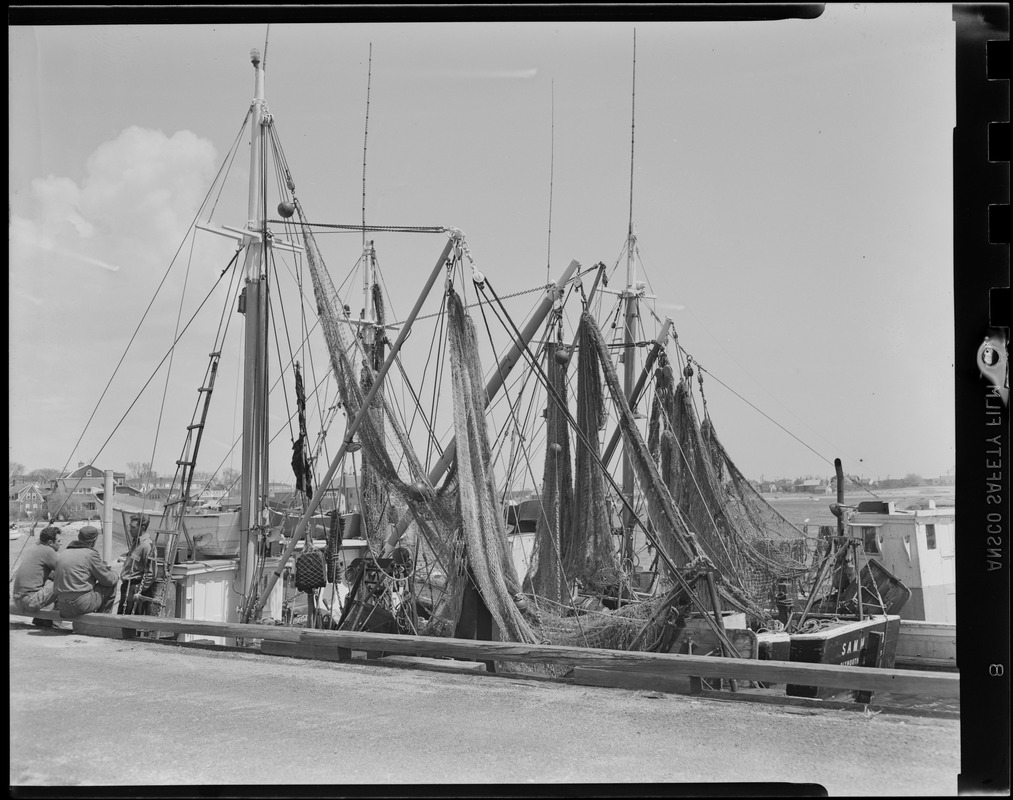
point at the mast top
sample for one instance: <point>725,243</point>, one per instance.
<point>255,57</point>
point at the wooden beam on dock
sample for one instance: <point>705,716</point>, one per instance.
<point>662,664</point>
<point>329,645</point>
<point>104,624</point>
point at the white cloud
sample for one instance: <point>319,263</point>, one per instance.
<point>127,216</point>
<point>132,207</point>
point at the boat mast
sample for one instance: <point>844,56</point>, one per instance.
<point>632,315</point>
<point>253,486</point>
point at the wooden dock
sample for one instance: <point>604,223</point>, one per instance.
<point>662,672</point>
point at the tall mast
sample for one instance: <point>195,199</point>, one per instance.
<point>631,318</point>
<point>253,487</point>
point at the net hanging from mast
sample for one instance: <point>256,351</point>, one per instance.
<point>457,524</point>
<point>674,533</point>
<point>482,525</point>
<point>750,542</point>
<point>554,530</point>
<point>377,511</point>
<point>385,445</point>
<point>591,557</point>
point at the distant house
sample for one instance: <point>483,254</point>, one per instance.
<point>25,498</point>
<point>85,480</point>
<point>157,493</point>
<point>812,486</point>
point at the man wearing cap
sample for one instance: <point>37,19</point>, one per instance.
<point>84,582</point>
<point>33,589</point>
<point>138,576</point>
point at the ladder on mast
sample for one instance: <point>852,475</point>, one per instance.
<point>166,537</point>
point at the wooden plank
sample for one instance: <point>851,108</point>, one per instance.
<point>87,627</point>
<point>435,664</point>
<point>647,681</point>
<point>921,662</point>
<point>697,638</point>
<point>931,684</point>
<point>927,644</point>
<point>274,647</point>
<point>195,626</point>
<point>841,677</point>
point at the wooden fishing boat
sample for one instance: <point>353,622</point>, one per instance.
<point>640,534</point>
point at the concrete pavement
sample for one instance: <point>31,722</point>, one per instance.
<point>82,708</point>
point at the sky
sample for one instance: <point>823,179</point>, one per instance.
<point>792,201</point>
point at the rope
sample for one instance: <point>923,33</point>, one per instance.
<point>522,292</point>
<point>370,228</point>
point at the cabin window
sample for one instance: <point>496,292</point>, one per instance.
<point>930,537</point>
<point>946,541</point>
<point>88,506</point>
<point>871,541</point>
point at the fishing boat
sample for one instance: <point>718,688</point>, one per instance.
<point>638,533</point>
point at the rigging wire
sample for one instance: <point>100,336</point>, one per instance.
<point>365,139</point>
<point>775,422</point>
<point>372,228</point>
<point>277,340</point>
<point>168,371</point>
<point>151,302</point>
<point>163,360</point>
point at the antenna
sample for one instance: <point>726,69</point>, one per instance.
<point>552,156</point>
<point>633,120</point>
<point>267,33</point>
<point>365,138</point>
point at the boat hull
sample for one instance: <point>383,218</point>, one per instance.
<point>871,642</point>
<point>927,645</point>
<point>213,535</point>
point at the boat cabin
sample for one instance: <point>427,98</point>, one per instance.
<point>917,547</point>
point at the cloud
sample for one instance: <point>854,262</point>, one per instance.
<point>132,207</point>
<point>126,216</point>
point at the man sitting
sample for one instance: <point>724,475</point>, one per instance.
<point>84,582</point>
<point>33,589</point>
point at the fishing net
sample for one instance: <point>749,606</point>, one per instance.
<point>458,531</point>
<point>591,557</point>
<point>378,514</point>
<point>633,626</point>
<point>751,544</point>
<point>673,531</point>
<point>392,460</point>
<point>555,529</point>
<point>482,525</point>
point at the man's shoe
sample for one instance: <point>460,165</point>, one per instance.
<point>42,623</point>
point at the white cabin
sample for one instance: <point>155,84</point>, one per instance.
<point>917,547</point>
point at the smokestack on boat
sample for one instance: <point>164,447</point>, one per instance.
<point>839,508</point>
